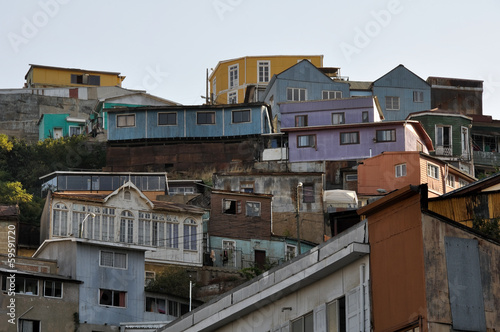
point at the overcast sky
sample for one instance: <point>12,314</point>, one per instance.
<point>165,47</point>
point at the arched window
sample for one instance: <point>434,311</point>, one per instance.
<point>126,195</point>
<point>127,227</point>
<point>190,234</point>
<point>60,220</point>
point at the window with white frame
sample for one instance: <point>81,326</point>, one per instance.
<point>233,76</point>
<point>331,94</point>
<point>28,325</point>
<point>443,136</point>
<point>247,186</point>
<point>336,315</point>
<point>263,68</point>
<point>462,182</point>
<point>125,120</point>
<point>450,180</point>
<point>306,141</point>
<point>112,298</point>
<point>349,138</point>
<point>392,103</point>
<point>52,288</point>
<point>60,220</point>
<point>432,171</point>
<point>75,130</point>
<point>386,135</point>
<point>23,285</point>
<point>190,233</point>
<point>113,259</point>
<point>418,96</point>
<point>303,324</point>
<point>338,118</point>
<point>127,227</point>
<point>296,94</point>
<point>400,170</point>
<point>290,252</point>
<point>144,228</point>
<point>171,232</point>
<point>365,116</point>
<point>252,209</point>
<point>108,224</point>
<point>232,97</point>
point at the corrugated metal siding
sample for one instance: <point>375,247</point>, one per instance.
<point>464,284</point>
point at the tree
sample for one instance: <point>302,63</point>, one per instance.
<point>13,193</point>
<point>173,281</point>
<point>490,227</point>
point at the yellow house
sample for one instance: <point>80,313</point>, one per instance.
<point>239,80</point>
<point>52,77</point>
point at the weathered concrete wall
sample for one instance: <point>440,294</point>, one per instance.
<point>19,113</point>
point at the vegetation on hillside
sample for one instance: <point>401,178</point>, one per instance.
<point>23,163</point>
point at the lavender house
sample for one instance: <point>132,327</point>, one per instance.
<point>347,129</point>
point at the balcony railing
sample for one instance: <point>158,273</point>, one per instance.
<point>444,150</point>
<point>487,158</point>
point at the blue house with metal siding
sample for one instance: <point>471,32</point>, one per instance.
<point>176,122</point>
<point>401,92</point>
<point>302,82</point>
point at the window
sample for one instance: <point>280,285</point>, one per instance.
<point>365,116</point>
<point>230,206</point>
<point>443,141</point>
<point>149,277</point>
<point>263,71</point>
<point>331,94</point>
<point>23,285</point>
<point>86,79</point>
<point>108,224</point>
<point>295,94</point>
<point>205,118</point>
<point>229,253</point>
<point>171,236</point>
<point>144,229</point>
<point>418,96</point>
<point>388,135</point>
<point>392,103</point>
<point>450,180</point>
<point>127,227</point>
<point>303,324</point>
<point>52,289</point>
<point>351,177</point>
<point>400,170</point>
<point>173,308</point>
<point>349,138</point>
<point>432,171</point>
<point>308,193</point>
<point>462,182</point>
<point>338,118</point>
<point>167,119</point>
<point>74,130</point>
<point>113,259</point>
<point>112,298</point>
<point>306,141</point>
<point>232,97</point>
<point>190,234</point>
<point>125,120</point>
<point>60,220</point>
<point>26,325</point>
<point>336,315</point>
<point>241,116</point>
<point>253,209</point>
<point>155,305</point>
<point>301,121</point>
<point>233,76</point>
<point>247,186</point>
<point>291,252</point>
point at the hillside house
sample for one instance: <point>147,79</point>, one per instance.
<point>458,95</point>
<point>401,92</point>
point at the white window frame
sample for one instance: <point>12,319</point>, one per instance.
<point>400,170</point>
<point>418,96</point>
<point>113,263</point>
<point>77,127</point>
<point>440,135</point>
<point>255,206</point>
<point>127,120</point>
<point>338,118</point>
<point>288,250</point>
<point>232,97</point>
<point>311,141</point>
<point>390,103</point>
<point>233,76</point>
<point>450,181</point>
<point>299,92</point>
<point>433,171</point>
<point>265,66</point>
<point>53,283</point>
<point>331,94</point>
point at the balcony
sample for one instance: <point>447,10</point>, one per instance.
<point>486,158</point>
<point>444,150</point>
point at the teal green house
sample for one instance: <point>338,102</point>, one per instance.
<point>451,136</point>
<point>60,125</point>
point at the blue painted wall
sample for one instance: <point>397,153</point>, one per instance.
<point>303,75</point>
<point>400,82</point>
<point>51,121</point>
<point>147,123</point>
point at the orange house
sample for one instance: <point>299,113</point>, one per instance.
<point>389,171</point>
